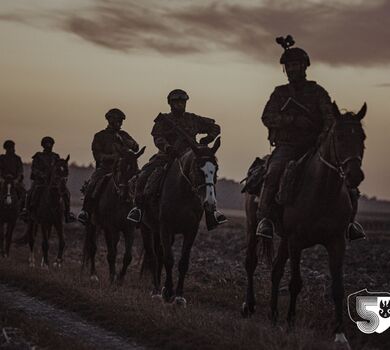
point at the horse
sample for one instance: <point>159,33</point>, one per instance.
<point>49,212</point>
<point>10,205</point>
<point>110,215</point>
<point>320,214</point>
<point>188,187</point>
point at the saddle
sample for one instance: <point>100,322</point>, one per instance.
<point>255,176</point>
<point>154,183</point>
<point>291,180</point>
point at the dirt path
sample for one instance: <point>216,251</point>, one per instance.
<point>65,324</point>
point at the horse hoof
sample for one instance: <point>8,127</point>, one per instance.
<point>166,295</point>
<point>156,296</point>
<point>94,278</point>
<point>57,264</point>
<point>180,301</point>
<point>341,342</point>
<point>31,264</point>
<point>246,310</point>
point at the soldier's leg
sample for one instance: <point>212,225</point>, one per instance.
<point>276,165</point>
<point>135,214</point>
<point>88,202</point>
<point>69,216</point>
<point>355,230</point>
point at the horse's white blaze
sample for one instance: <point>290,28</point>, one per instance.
<point>209,170</point>
<point>8,199</point>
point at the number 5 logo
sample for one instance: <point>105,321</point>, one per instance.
<point>373,309</point>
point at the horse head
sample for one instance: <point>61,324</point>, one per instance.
<point>202,171</point>
<point>348,139</point>
<point>125,168</point>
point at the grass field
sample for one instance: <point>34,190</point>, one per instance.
<point>214,291</point>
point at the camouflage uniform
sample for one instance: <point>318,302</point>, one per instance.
<point>12,165</point>
<point>292,132</point>
<point>171,145</point>
<point>106,148</point>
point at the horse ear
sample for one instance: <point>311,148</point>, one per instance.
<point>140,152</point>
<point>336,110</point>
<point>67,158</point>
<point>360,115</point>
<point>216,145</point>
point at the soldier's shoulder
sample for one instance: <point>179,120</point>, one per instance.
<point>313,85</point>
<point>18,157</point>
<point>282,89</point>
<point>161,117</point>
<point>37,155</point>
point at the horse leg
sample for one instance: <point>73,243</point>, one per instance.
<point>45,246</point>
<point>150,259</point>
<point>61,244</point>
<point>277,274</point>
<point>31,233</point>
<point>295,282</point>
<point>336,252</point>
<point>127,257</point>
<point>169,260</point>
<point>8,238</point>
<point>112,238</point>
<point>184,263</point>
<point>91,249</point>
<point>2,239</point>
<point>251,259</point>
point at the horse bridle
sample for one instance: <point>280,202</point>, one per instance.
<point>194,189</point>
<point>339,166</point>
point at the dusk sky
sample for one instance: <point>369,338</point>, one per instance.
<point>65,63</point>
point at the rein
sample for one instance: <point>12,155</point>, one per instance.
<point>338,167</point>
<point>194,189</point>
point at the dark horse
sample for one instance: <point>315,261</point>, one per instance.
<point>49,212</point>
<point>110,216</point>
<point>188,187</point>
<point>320,214</point>
<point>9,210</point>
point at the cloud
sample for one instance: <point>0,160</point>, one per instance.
<point>385,85</point>
<point>333,33</point>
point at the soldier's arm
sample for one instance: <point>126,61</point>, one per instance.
<point>209,127</point>
<point>130,142</point>
<point>272,118</point>
<point>326,108</point>
<point>19,172</point>
<point>98,150</point>
<point>158,133</point>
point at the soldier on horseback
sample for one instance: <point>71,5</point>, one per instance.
<point>41,170</point>
<point>298,116</point>
<point>11,166</point>
<point>167,133</point>
<point>107,147</point>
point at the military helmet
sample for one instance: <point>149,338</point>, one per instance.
<point>115,112</point>
<point>295,54</point>
<point>177,94</point>
<point>47,139</point>
<point>8,144</point>
<point>292,54</point>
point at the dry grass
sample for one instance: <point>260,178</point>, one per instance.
<point>214,290</point>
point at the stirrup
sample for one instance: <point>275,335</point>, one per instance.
<point>135,215</point>
<point>261,232</point>
<point>83,217</point>
<point>355,231</point>
<point>219,217</point>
